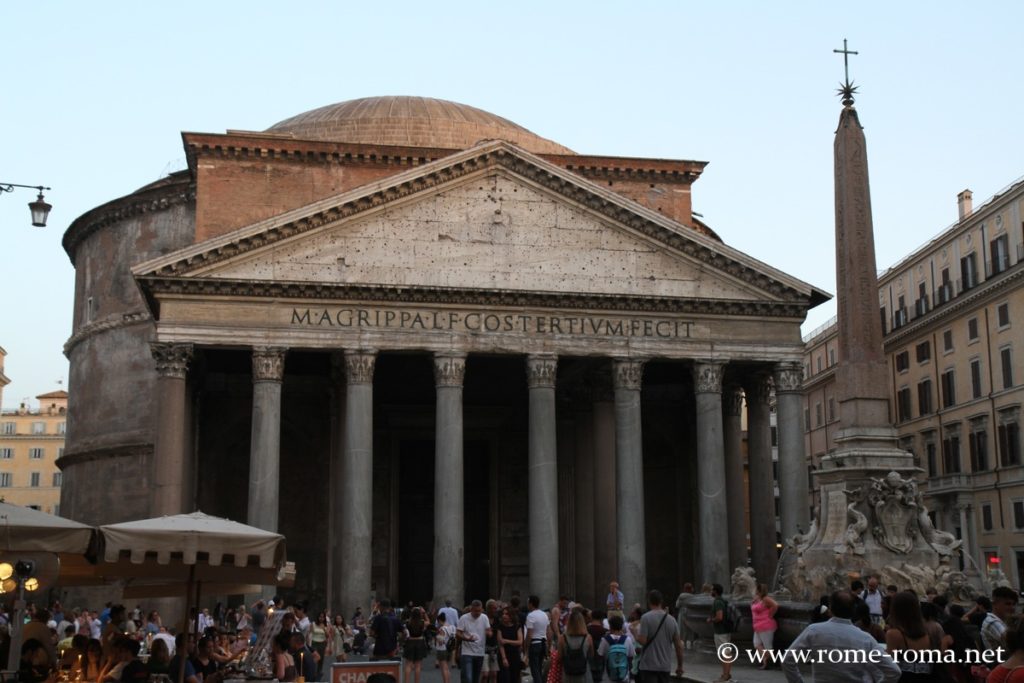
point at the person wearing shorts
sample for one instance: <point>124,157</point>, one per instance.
<point>719,610</point>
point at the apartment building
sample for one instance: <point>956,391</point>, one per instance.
<point>953,318</point>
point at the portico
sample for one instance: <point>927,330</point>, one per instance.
<point>527,381</point>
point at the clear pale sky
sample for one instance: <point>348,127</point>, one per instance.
<point>95,96</point>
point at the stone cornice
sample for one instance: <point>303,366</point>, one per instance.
<point>112,322</point>
<point>156,286</point>
<point>676,237</point>
<point>103,453</point>
<point>269,146</point>
<point>991,288</point>
<point>158,197</point>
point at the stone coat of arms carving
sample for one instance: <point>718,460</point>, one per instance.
<point>894,501</point>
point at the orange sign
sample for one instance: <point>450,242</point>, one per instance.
<point>385,671</point>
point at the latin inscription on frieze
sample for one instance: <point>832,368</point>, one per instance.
<point>482,322</point>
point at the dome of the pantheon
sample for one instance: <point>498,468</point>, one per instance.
<point>411,122</point>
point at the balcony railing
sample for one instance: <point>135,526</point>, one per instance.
<point>949,483</point>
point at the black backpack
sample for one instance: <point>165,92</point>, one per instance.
<point>575,661</point>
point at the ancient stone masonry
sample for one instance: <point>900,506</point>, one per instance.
<point>455,353</point>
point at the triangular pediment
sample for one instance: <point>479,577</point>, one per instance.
<point>490,218</point>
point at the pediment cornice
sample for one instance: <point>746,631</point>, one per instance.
<point>158,286</point>
<point>199,259</point>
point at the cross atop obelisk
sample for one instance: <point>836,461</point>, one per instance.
<point>847,88</point>
<point>862,374</point>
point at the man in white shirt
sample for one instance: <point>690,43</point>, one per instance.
<point>1004,603</point>
<point>839,633</point>
<point>536,628</point>
<point>472,631</point>
<point>873,599</point>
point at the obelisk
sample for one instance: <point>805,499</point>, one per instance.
<point>870,517</point>
<point>862,372</point>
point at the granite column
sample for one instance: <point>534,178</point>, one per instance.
<point>606,563</point>
<point>171,453</point>
<point>543,479</point>
<point>794,497</point>
<point>629,480</point>
<point>449,503</point>
<point>357,482</point>
<point>265,445</point>
<point>713,507</point>
<point>763,554</point>
<point>732,407</point>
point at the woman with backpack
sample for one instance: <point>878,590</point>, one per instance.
<point>575,647</point>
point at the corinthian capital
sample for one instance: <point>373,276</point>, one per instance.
<point>268,363</point>
<point>732,400</point>
<point>359,366</point>
<point>540,371</point>
<point>171,359</point>
<point>449,370</point>
<point>759,388</point>
<point>707,377</point>
<point>789,377</point>
<point>628,374</point>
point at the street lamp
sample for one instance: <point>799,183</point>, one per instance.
<point>39,208</point>
<point>22,575</point>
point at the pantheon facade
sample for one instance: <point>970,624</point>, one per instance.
<point>446,357</point>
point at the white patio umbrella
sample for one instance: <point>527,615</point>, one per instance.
<point>160,556</point>
<point>48,542</point>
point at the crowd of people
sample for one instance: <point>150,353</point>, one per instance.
<point>502,642</point>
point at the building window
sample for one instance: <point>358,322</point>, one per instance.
<point>1003,315</point>
<point>5,479</point>
<point>968,272</point>
<point>986,517</point>
<point>831,410</point>
<point>903,412</point>
<point>951,453</point>
<point>58,479</point>
<point>948,389</point>
<point>35,454</point>
<point>924,352</point>
<point>60,452</point>
<point>999,250</point>
<point>1007,359</point>
<point>831,357</point>
<point>9,428</point>
<point>62,427</point>
<point>1008,434</point>
<point>947,341</point>
<point>975,378</point>
<point>1018,514</point>
<point>929,452</point>
<point>56,509</point>
<point>921,305</point>
<point>34,479</point>
<point>38,427</point>
<point>899,316</point>
<point>6,453</point>
<point>818,418</point>
<point>924,397</point>
<point>820,364</point>
<point>977,443</point>
<point>972,329</point>
<point>902,361</point>
<point>946,288</point>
